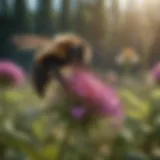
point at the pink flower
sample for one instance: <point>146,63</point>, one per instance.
<point>11,72</point>
<point>78,112</point>
<point>97,96</point>
<point>156,73</point>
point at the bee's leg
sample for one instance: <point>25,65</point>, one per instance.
<point>59,77</point>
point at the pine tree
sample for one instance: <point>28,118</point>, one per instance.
<point>44,18</point>
<point>65,17</point>
<point>129,30</point>
<point>97,29</point>
<point>21,16</point>
<point>79,20</point>
<point>3,7</point>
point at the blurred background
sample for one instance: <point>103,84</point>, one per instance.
<point>109,25</point>
<point>125,37</point>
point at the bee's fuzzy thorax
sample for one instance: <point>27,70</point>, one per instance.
<point>61,44</point>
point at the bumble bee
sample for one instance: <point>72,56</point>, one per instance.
<point>54,54</point>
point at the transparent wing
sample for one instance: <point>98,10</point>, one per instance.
<point>29,42</point>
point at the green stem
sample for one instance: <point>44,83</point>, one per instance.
<point>145,61</point>
<point>2,150</point>
<point>4,112</point>
<point>64,144</point>
<point>148,144</point>
<point>150,138</point>
<point>3,107</point>
<point>114,150</point>
<point>127,70</point>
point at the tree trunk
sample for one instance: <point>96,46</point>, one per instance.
<point>44,18</point>
<point>65,21</point>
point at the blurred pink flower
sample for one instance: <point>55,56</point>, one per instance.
<point>156,73</point>
<point>100,98</point>
<point>11,72</point>
<point>78,112</point>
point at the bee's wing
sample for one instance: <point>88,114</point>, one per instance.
<point>29,42</point>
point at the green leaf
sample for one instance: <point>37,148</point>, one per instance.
<point>21,141</point>
<point>50,152</point>
<point>135,107</point>
<point>39,128</point>
<point>12,96</point>
<point>155,94</point>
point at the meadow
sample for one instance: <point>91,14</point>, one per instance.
<point>110,112</point>
<point>34,128</point>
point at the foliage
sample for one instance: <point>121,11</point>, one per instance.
<point>31,129</point>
